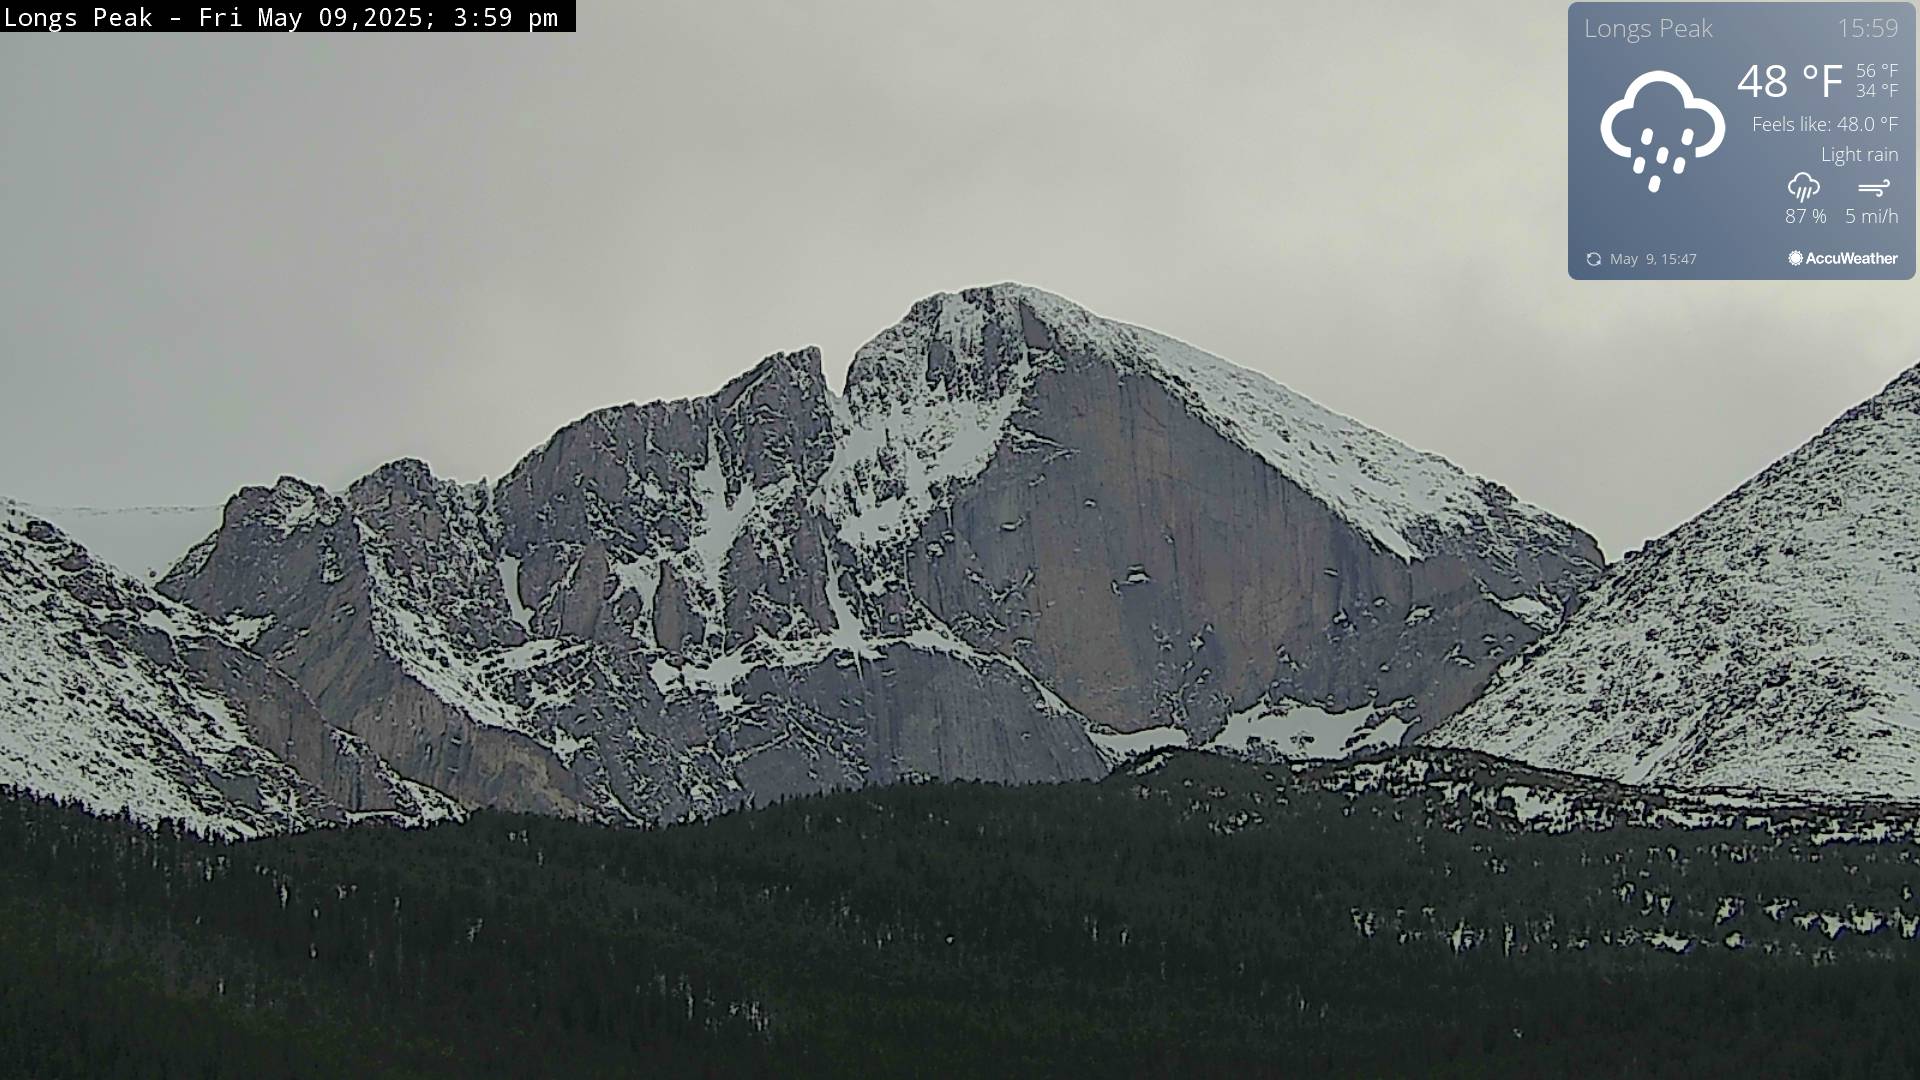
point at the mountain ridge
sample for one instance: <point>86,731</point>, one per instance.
<point>1771,642</point>
<point>130,702</point>
<point>1023,538</point>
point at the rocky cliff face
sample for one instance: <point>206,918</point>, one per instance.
<point>128,701</point>
<point>1024,540</point>
<point>1773,642</point>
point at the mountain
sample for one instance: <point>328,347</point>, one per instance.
<point>141,540</point>
<point>1023,541</point>
<point>1773,642</point>
<point>124,700</point>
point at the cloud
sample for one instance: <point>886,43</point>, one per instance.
<point>1687,100</point>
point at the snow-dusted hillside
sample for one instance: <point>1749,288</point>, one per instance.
<point>1466,788</point>
<point>142,541</point>
<point>1023,539</point>
<point>1772,642</point>
<point>127,701</point>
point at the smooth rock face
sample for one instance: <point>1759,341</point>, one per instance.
<point>1024,540</point>
<point>1150,569</point>
<point>128,701</point>
<point>1772,642</point>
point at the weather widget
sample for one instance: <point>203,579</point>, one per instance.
<point>1740,140</point>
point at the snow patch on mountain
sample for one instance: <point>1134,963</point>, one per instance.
<point>904,437</point>
<point>1301,731</point>
<point>510,585</point>
<point>421,644</point>
<point>1531,610</point>
<point>1118,746</point>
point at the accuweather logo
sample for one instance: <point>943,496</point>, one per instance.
<point>1841,258</point>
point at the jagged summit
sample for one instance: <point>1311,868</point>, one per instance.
<point>1023,539</point>
<point>1771,642</point>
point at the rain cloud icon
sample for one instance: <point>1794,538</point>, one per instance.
<point>1664,155</point>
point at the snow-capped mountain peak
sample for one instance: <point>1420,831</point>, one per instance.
<point>944,385</point>
<point>1023,537</point>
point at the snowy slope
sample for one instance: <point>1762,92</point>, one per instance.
<point>126,701</point>
<point>1772,642</point>
<point>1461,787</point>
<point>140,540</point>
<point>1406,500</point>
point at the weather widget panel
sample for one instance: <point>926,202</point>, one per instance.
<point>1740,140</point>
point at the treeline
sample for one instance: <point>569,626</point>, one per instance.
<point>1211,918</point>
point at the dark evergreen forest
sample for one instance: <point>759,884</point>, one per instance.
<point>1212,917</point>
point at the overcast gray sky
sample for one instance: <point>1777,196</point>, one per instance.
<point>230,258</point>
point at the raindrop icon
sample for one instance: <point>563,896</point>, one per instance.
<point>1664,158</point>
